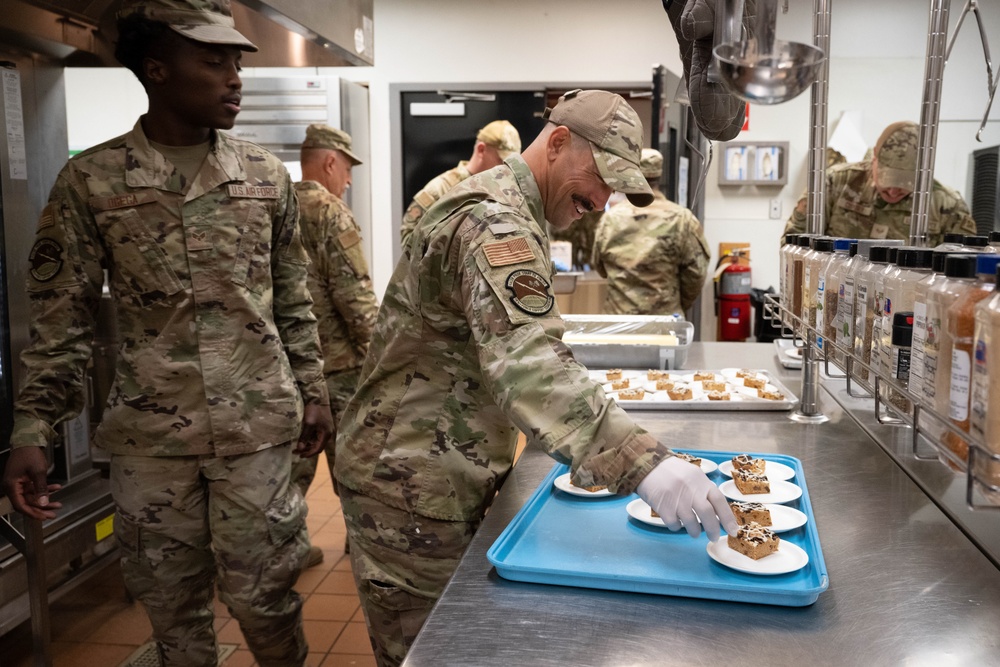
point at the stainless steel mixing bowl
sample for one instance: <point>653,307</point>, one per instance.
<point>771,78</point>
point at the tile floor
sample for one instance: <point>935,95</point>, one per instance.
<point>96,625</point>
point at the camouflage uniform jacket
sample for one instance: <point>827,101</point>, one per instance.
<point>341,288</point>
<point>217,344</point>
<point>655,258</point>
<point>423,200</point>
<point>466,351</point>
<point>854,209</point>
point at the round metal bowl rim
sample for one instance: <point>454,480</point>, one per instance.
<point>818,54</point>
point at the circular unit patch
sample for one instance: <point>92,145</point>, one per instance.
<point>46,260</point>
<point>530,292</point>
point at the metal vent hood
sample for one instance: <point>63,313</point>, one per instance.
<point>290,33</point>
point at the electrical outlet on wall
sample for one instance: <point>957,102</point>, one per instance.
<point>774,212</point>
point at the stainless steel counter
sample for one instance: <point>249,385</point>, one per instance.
<point>906,584</point>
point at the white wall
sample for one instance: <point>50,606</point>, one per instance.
<point>877,54</point>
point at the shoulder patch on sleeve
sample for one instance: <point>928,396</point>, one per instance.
<point>425,199</point>
<point>349,238</point>
<point>529,292</point>
<point>46,259</point>
<point>499,228</point>
<point>509,251</point>
<point>47,218</point>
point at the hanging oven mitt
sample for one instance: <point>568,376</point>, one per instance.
<point>718,113</point>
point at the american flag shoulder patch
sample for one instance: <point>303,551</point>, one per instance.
<point>508,251</point>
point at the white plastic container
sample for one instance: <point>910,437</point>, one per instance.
<point>920,297</point>
<point>960,274</point>
<point>912,265</point>
<point>985,399</point>
<point>867,313</point>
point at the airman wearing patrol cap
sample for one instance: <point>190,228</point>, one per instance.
<point>319,135</point>
<point>344,302</point>
<point>466,352</point>
<point>655,258</point>
<point>204,21</point>
<point>502,136</point>
<point>495,142</point>
<point>219,377</point>
<point>874,198</point>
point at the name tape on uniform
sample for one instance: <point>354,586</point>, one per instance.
<point>254,191</point>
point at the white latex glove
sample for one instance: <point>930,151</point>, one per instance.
<point>678,491</point>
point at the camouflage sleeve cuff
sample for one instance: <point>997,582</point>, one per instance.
<point>30,432</point>
<point>624,466</point>
<point>315,393</point>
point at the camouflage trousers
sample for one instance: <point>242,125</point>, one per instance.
<point>184,523</point>
<point>341,387</point>
<point>401,564</point>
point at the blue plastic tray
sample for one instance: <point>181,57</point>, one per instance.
<point>558,538</point>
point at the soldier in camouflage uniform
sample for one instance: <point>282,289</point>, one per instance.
<point>656,257</point>
<point>494,143</point>
<point>874,198</point>
<point>344,303</point>
<point>219,373</point>
<point>467,351</point>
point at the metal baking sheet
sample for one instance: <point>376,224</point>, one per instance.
<point>658,400</point>
<point>552,540</point>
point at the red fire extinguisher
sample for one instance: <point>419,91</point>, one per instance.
<point>732,297</point>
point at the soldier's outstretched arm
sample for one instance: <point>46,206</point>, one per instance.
<point>25,484</point>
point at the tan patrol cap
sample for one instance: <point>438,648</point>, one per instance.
<point>896,156</point>
<point>319,135</point>
<point>206,21</point>
<point>615,133</point>
<point>502,136</point>
<point>651,163</point>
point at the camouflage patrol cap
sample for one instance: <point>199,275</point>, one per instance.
<point>206,21</point>
<point>319,135</point>
<point>896,156</point>
<point>651,164</point>
<point>502,136</point>
<point>615,133</point>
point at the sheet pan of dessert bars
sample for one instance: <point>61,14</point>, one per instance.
<point>725,389</point>
<point>775,557</point>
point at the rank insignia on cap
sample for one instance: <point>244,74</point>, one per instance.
<point>510,251</point>
<point>530,292</point>
<point>46,260</point>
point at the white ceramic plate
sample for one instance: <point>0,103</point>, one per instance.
<point>750,392</point>
<point>730,374</point>
<point>789,355</point>
<point>776,472</point>
<point>689,378</point>
<point>631,374</point>
<point>640,511</point>
<point>788,558</point>
<point>697,394</point>
<point>785,518</point>
<point>707,467</point>
<point>562,483</point>
<point>632,384</point>
<point>781,492</point>
<point>646,398</point>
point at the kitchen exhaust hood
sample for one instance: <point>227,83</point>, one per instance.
<point>290,33</point>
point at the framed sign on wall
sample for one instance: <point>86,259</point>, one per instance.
<point>754,163</point>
